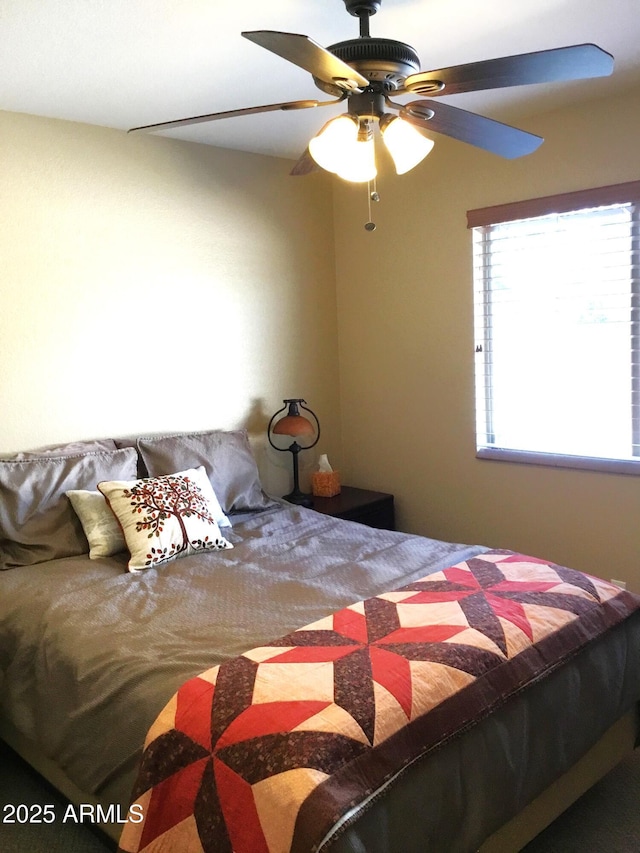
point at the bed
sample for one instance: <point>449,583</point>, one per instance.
<point>111,638</point>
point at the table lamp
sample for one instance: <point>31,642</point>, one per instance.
<point>297,426</point>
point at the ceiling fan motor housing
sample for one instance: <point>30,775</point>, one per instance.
<point>384,62</point>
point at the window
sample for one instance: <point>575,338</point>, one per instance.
<point>557,308</point>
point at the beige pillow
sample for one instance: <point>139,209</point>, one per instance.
<point>164,518</point>
<point>100,525</point>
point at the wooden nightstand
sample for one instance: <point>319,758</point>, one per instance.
<point>373,508</point>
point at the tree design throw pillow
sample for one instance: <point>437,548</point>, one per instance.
<point>164,518</point>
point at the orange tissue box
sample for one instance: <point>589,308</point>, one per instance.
<point>325,484</point>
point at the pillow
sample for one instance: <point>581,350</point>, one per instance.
<point>75,448</point>
<point>100,525</point>
<point>176,512</point>
<point>37,522</point>
<point>131,442</point>
<point>226,457</point>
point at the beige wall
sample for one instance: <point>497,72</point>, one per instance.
<point>405,308</point>
<point>151,285</point>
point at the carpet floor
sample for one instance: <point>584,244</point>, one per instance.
<point>19,784</point>
<point>605,820</point>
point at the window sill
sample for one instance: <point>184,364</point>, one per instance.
<point>557,460</point>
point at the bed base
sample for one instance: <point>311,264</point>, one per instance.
<point>615,745</point>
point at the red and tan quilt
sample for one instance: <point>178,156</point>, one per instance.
<point>266,752</point>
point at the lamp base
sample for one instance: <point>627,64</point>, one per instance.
<point>299,498</point>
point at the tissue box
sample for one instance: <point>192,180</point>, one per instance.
<point>325,484</point>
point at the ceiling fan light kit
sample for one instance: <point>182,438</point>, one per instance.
<point>366,71</point>
<point>345,146</point>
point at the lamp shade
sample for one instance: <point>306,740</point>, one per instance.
<point>294,425</point>
<point>358,162</point>
<point>328,147</point>
<point>338,148</point>
<point>407,146</point>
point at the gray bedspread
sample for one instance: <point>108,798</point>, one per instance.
<point>89,653</point>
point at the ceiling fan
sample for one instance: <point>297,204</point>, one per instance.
<point>367,71</point>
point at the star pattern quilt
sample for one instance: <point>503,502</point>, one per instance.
<point>266,753</point>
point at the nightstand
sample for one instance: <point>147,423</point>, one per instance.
<point>372,508</point>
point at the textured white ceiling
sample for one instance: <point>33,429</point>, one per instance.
<point>123,63</point>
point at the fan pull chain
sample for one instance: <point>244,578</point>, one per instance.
<point>372,195</point>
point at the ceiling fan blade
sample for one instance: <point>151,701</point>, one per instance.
<point>486,133</point>
<point>578,62</point>
<point>183,122</point>
<point>305,165</point>
<point>307,54</point>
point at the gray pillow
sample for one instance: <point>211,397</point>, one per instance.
<point>131,442</point>
<point>74,448</point>
<point>226,457</point>
<point>37,521</point>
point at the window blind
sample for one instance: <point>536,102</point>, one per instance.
<point>557,314</point>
